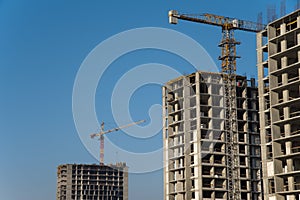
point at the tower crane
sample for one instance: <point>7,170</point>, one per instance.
<point>102,133</point>
<point>228,58</point>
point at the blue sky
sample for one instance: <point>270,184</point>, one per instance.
<point>43,44</point>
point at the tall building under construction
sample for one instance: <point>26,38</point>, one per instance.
<point>278,53</point>
<point>195,156</point>
<point>92,182</point>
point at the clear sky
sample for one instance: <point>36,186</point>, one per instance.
<point>42,46</point>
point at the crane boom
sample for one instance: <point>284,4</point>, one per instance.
<point>228,58</point>
<point>217,20</point>
<point>102,133</point>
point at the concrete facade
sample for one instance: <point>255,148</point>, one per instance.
<point>92,182</point>
<point>194,139</point>
<point>278,63</point>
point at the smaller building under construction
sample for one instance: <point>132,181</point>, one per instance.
<point>92,182</point>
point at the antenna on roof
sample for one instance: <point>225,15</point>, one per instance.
<point>283,8</point>
<point>297,6</point>
<point>271,13</point>
<point>260,19</point>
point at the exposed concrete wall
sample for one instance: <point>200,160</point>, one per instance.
<point>195,143</point>
<point>82,181</point>
<point>278,79</point>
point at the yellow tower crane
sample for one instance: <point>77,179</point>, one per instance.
<point>228,58</point>
<point>102,133</point>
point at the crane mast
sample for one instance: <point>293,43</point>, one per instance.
<point>228,58</point>
<point>102,133</point>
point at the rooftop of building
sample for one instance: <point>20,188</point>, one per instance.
<point>285,19</point>
<point>119,165</point>
<point>205,73</point>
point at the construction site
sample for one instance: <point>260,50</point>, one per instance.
<point>94,181</point>
<point>225,136</point>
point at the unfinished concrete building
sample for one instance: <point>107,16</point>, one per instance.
<point>92,182</point>
<point>278,56</point>
<point>195,154</point>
